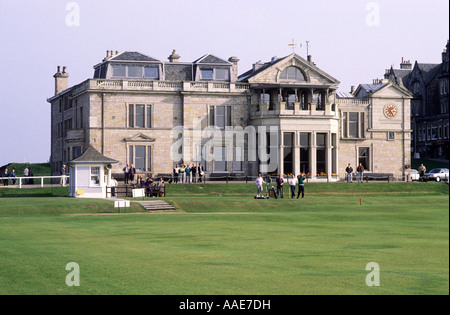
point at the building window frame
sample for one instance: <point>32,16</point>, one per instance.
<point>215,74</point>
<point>358,130</point>
<point>217,119</point>
<point>321,151</point>
<point>95,179</point>
<point>391,135</point>
<point>239,157</point>
<point>364,157</point>
<point>220,160</point>
<point>134,71</point>
<point>305,151</point>
<point>146,115</point>
<point>292,73</point>
<point>446,130</point>
<point>147,158</point>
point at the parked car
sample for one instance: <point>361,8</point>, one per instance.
<point>437,174</point>
<point>415,175</point>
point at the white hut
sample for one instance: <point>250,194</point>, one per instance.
<point>90,174</point>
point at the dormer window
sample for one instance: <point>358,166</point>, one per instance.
<point>207,74</point>
<point>151,73</point>
<point>215,74</point>
<point>292,74</point>
<point>222,74</point>
<point>135,71</point>
<point>119,71</point>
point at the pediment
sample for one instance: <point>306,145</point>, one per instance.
<point>211,59</point>
<point>313,75</point>
<point>392,90</point>
<point>139,138</point>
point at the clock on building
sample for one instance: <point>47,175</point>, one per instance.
<point>390,110</point>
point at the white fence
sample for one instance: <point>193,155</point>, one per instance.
<point>22,180</point>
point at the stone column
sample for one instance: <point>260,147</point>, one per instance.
<point>313,156</point>
<point>329,157</point>
<point>296,152</point>
<point>281,158</point>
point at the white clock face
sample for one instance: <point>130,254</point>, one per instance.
<point>390,110</point>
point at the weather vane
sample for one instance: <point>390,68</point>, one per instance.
<point>293,45</point>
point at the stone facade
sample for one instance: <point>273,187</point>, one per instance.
<point>286,109</point>
<point>429,84</point>
<point>386,137</point>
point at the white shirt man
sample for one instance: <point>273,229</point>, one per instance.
<point>259,182</point>
<point>114,184</point>
<point>293,182</point>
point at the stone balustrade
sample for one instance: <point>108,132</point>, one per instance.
<point>353,101</point>
<point>281,109</point>
<point>170,86</point>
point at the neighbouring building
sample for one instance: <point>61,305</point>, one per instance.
<point>281,116</point>
<point>429,84</point>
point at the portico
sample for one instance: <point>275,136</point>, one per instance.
<point>299,99</point>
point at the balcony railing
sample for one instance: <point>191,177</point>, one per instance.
<point>353,101</point>
<point>170,86</point>
<point>293,109</point>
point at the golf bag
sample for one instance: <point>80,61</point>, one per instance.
<point>273,189</point>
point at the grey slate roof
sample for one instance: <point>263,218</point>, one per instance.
<point>132,56</point>
<point>429,71</point>
<point>211,59</point>
<point>340,94</point>
<point>91,155</point>
<point>178,72</point>
<point>401,73</point>
<point>371,88</point>
<point>250,73</point>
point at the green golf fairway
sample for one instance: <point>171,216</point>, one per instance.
<point>222,241</point>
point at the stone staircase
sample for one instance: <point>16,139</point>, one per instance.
<point>156,205</point>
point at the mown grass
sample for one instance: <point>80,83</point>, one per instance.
<point>222,241</point>
<point>52,200</point>
<point>177,190</point>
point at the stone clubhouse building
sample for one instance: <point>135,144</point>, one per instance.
<point>284,116</point>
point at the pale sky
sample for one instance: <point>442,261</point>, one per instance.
<point>352,40</point>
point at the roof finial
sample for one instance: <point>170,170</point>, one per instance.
<point>293,45</point>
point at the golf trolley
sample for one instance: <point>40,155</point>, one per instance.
<point>269,188</point>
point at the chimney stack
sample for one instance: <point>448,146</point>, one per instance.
<point>406,64</point>
<point>352,89</point>
<point>110,54</point>
<point>174,57</point>
<point>61,80</point>
<point>257,65</point>
<point>309,58</point>
<point>234,69</point>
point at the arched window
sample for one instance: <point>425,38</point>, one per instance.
<point>292,74</point>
